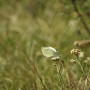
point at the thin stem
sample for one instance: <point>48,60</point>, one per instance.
<point>60,75</point>
<point>80,16</point>
<point>77,60</point>
<point>35,70</point>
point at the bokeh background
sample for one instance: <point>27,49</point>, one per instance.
<point>28,25</point>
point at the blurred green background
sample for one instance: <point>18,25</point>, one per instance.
<point>28,25</point>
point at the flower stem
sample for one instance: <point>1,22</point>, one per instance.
<point>59,67</point>
<point>78,62</point>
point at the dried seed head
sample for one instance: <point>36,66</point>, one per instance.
<point>82,43</point>
<point>72,61</point>
<point>77,52</point>
<point>76,43</point>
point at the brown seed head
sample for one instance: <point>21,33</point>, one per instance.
<point>75,52</point>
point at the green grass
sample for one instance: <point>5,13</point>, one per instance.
<point>23,31</point>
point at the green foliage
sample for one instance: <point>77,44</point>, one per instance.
<point>28,25</point>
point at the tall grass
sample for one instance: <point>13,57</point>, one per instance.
<point>24,29</point>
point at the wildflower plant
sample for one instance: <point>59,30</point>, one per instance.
<point>78,54</point>
<point>58,63</point>
<point>81,68</point>
<point>63,74</point>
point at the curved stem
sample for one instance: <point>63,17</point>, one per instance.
<point>80,16</point>
<point>78,62</point>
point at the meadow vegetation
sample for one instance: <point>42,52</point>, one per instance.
<point>28,25</point>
